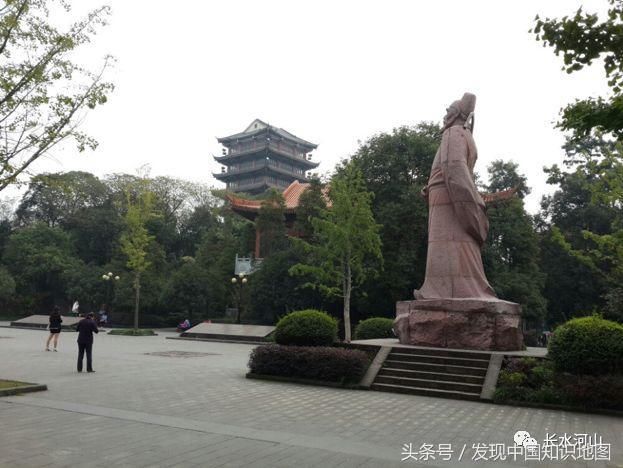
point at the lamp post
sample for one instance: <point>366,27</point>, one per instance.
<point>111,279</point>
<point>238,282</point>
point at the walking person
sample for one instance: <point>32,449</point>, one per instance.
<point>75,309</point>
<point>54,327</point>
<point>86,327</point>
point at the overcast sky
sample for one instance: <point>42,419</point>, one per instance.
<point>331,72</point>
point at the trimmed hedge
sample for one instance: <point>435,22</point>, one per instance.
<point>592,391</point>
<point>310,362</point>
<point>535,381</point>
<point>306,328</point>
<point>375,327</point>
<point>588,345</point>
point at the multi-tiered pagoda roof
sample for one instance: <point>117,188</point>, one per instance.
<point>263,156</point>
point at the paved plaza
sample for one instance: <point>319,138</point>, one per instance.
<point>159,402</point>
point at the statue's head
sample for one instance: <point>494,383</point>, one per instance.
<point>459,112</point>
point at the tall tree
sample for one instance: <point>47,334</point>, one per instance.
<point>136,239</point>
<point>38,257</point>
<point>582,39</point>
<point>511,253</point>
<point>349,246</point>
<point>311,203</point>
<point>54,198</point>
<point>504,175</point>
<point>395,168</point>
<point>579,245</point>
<point>43,93</point>
<point>271,223</point>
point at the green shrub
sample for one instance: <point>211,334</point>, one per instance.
<point>511,379</point>
<point>592,391</point>
<point>542,374</point>
<point>546,394</point>
<point>310,362</point>
<point>306,328</point>
<point>587,345</point>
<point>511,394</point>
<point>375,327</point>
<point>527,379</point>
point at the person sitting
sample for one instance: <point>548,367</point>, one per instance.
<point>185,325</point>
<point>103,319</point>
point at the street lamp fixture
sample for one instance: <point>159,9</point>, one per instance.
<point>240,280</point>
<point>112,278</point>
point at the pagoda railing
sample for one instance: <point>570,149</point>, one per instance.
<point>249,187</point>
<point>246,265</point>
<point>252,166</point>
<point>271,146</point>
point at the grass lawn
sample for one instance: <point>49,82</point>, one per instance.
<point>132,332</point>
<point>11,384</point>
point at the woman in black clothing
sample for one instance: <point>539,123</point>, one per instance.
<point>54,327</point>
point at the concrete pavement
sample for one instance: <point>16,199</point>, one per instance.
<point>159,402</point>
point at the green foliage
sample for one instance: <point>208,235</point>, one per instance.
<point>315,363</point>
<point>312,203</point>
<point>306,328</point>
<point>349,247</point>
<point>136,239</point>
<point>81,204</point>
<point>274,292</point>
<point>395,168</point>
<point>43,93</point>
<point>583,39</point>
<point>592,391</point>
<point>528,379</point>
<point>55,198</point>
<point>588,345</point>
<point>38,256</point>
<point>613,309</point>
<point>7,284</point>
<point>84,282</point>
<point>514,379</point>
<point>187,291</point>
<point>511,252</point>
<point>271,223</point>
<point>375,327</point>
<point>504,175</point>
<point>581,247</point>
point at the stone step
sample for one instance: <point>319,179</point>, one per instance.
<point>442,352</point>
<point>431,375</point>
<point>433,367</point>
<point>427,383</point>
<point>445,360</point>
<point>434,392</point>
<point>220,337</point>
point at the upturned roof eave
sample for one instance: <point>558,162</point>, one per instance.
<point>275,130</point>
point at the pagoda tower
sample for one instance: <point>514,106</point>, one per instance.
<point>263,156</point>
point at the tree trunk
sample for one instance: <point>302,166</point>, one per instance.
<point>347,290</point>
<point>137,297</point>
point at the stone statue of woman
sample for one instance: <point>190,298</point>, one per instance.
<point>457,223</point>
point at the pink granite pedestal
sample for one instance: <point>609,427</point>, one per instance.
<point>493,325</point>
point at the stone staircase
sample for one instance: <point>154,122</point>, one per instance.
<point>433,372</point>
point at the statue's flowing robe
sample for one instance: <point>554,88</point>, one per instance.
<point>457,223</point>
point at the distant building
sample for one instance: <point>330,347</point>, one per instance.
<point>263,156</point>
<point>250,209</point>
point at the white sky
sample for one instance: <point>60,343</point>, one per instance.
<point>331,72</point>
